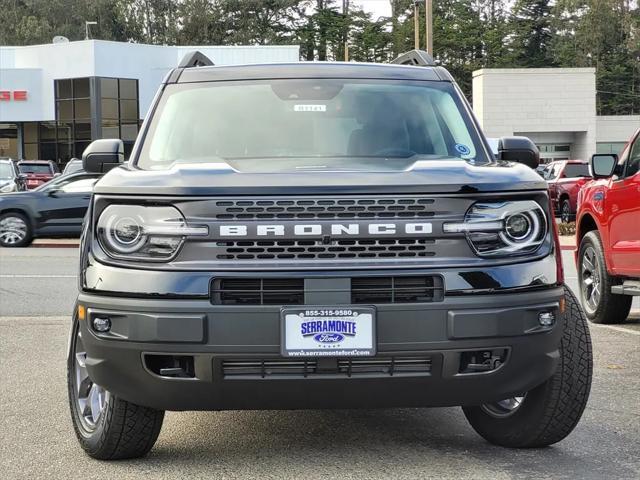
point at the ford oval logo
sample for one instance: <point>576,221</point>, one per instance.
<point>328,338</point>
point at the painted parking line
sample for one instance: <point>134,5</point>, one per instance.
<point>38,276</point>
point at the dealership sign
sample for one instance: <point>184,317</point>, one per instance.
<point>15,95</point>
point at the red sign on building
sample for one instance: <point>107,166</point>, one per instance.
<point>15,95</point>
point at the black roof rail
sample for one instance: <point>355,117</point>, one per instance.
<point>419,58</point>
<point>195,59</point>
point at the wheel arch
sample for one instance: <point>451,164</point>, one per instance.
<point>587,224</point>
<point>24,211</point>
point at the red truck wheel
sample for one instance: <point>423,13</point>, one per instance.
<point>600,305</point>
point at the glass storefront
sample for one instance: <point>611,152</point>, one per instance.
<point>8,140</point>
<point>86,109</point>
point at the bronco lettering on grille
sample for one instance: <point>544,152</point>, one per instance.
<point>321,229</point>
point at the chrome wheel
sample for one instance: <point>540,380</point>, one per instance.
<point>12,230</point>
<point>590,280</point>
<point>504,408</point>
<point>565,215</point>
<point>90,397</point>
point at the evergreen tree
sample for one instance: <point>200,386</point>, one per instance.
<point>531,33</point>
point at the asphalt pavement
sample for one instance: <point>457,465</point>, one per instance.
<point>37,291</point>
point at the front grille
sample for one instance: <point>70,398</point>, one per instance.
<point>326,209</point>
<point>290,291</point>
<point>258,291</point>
<point>316,250</point>
<point>397,289</point>
<point>347,367</point>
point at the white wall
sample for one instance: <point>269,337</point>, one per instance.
<point>34,68</point>
<point>616,128</point>
<point>541,102</point>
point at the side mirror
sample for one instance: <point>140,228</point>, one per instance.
<point>103,155</point>
<point>602,165</point>
<point>57,174</point>
<point>519,149</point>
<point>23,176</point>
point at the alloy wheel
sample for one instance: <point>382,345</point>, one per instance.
<point>590,279</point>
<point>504,408</point>
<point>90,398</point>
<point>12,230</point>
<point>565,215</point>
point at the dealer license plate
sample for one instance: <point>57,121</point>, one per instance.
<point>328,332</point>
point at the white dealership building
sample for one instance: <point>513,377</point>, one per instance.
<point>56,98</point>
<point>555,107</point>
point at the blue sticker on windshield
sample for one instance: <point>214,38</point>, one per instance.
<point>462,149</point>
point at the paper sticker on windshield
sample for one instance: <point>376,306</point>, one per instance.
<point>462,149</point>
<point>310,108</point>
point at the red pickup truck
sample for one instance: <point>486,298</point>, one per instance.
<point>565,179</point>
<point>608,235</point>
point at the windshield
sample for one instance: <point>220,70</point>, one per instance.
<point>576,170</point>
<point>315,123</point>
<point>37,168</point>
<point>6,171</point>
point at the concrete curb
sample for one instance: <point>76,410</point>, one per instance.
<point>52,243</point>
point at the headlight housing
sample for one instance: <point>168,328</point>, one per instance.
<point>138,232</point>
<point>9,187</point>
<point>503,228</point>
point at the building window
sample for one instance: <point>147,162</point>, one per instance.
<point>610,147</point>
<point>116,115</point>
<point>119,110</point>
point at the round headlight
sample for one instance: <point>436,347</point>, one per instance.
<point>518,226</point>
<point>124,234</point>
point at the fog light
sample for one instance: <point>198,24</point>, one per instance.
<point>546,319</point>
<point>101,324</point>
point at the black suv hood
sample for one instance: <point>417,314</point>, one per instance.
<point>428,176</point>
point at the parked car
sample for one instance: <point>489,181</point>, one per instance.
<point>72,166</point>
<point>565,179</point>
<point>38,172</point>
<point>11,180</point>
<point>55,209</point>
<point>608,235</point>
<point>321,235</point>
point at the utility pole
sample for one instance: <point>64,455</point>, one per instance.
<point>345,12</point>
<point>429,26</point>
<point>416,24</point>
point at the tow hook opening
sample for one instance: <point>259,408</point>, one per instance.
<point>478,361</point>
<point>171,366</point>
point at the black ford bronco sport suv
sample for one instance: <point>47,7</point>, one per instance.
<point>321,235</point>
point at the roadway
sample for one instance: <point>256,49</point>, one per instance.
<point>37,290</point>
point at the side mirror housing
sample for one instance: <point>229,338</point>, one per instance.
<point>103,155</point>
<point>603,165</point>
<point>519,149</point>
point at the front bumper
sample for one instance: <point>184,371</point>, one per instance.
<point>223,340</point>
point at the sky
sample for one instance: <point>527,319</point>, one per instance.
<point>377,8</point>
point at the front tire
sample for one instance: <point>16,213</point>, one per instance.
<point>600,305</point>
<point>549,412</point>
<point>15,230</point>
<point>107,427</point>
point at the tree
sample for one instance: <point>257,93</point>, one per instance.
<point>531,33</point>
<point>604,34</point>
